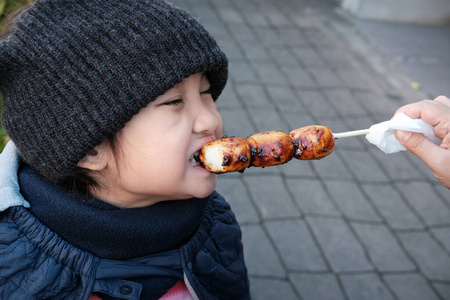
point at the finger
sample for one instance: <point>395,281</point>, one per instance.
<point>432,112</point>
<point>443,100</point>
<point>425,149</point>
<point>415,110</point>
<point>446,142</point>
<point>421,109</point>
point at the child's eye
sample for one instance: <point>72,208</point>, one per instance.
<point>208,91</point>
<point>175,102</point>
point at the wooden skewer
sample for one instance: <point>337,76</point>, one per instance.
<point>350,133</point>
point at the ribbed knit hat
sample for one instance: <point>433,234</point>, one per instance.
<point>73,72</point>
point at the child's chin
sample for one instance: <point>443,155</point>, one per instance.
<point>205,192</point>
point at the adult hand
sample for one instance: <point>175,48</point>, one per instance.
<point>437,114</point>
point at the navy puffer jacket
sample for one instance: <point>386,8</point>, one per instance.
<point>36,263</point>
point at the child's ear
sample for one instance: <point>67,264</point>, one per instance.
<point>96,159</point>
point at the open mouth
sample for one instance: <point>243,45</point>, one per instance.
<point>195,159</point>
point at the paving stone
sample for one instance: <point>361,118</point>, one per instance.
<point>330,168</point>
<point>320,38</point>
<point>364,166</point>
<point>365,287</point>
<point>258,172</point>
<point>218,31</point>
<point>443,235</point>
<point>443,290</point>
<point>269,289</point>
<point>285,99</point>
<point>229,15</point>
<point>317,286</point>
<point>337,57</point>
<point>293,37</point>
<point>297,119</point>
<point>269,74</point>
<point>297,168</point>
<point>410,287</point>
<point>228,98</point>
<point>432,260</point>
<point>296,246</point>
<point>235,193</point>
<point>315,102</point>
<point>242,6</point>
<point>376,104</point>
<point>283,57</point>
<point>312,197</point>
<point>396,165</point>
<point>308,56</point>
<point>254,17</point>
<point>268,36</point>
<point>255,53</point>
<point>278,19</point>
<point>304,21</point>
<point>359,122</point>
<point>341,248</point>
<point>230,49</point>
<point>326,77</point>
<point>298,77</point>
<point>392,207</point>
<point>383,249</point>
<point>425,172</point>
<point>354,78</point>
<point>242,72</point>
<point>443,192</point>
<point>206,15</point>
<point>253,96</point>
<point>236,123</point>
<point>344,102</point>
<point>267,119</point>
<point>272,199</point>
<point>260,257</point>
<point>426,202</point>
<point>351,201</point>
<point>243,33</point>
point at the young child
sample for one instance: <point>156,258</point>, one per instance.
<point>106,103</point>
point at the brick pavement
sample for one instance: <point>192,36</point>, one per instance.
<point>357,225</point>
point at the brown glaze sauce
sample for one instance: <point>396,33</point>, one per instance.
<point>270,148</point>
<point>312,142</point>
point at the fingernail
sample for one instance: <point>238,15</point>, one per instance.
<point>402,135</point>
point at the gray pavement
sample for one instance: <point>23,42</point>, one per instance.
<point>358,224</point>
<point>421,52</point>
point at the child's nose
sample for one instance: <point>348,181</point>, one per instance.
<point>207,119</point>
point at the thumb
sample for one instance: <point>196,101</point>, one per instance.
<point>418,144</point>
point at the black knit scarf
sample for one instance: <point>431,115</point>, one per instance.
<point>108,231</point>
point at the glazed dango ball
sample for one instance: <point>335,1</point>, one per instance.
<point>228,154</point>
<point>265,149</point>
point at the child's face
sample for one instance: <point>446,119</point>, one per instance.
<point>157,145</point>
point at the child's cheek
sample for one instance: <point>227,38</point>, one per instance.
<point>218,131</point>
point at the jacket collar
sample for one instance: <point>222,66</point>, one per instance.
<point>9,185</point>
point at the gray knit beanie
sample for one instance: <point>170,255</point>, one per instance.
<point>73,72</point>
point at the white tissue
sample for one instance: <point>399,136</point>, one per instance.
<point>382,134</point>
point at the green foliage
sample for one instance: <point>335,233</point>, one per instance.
<point>8,7</point>
<point>2,6</point>
<point>3,137</point>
